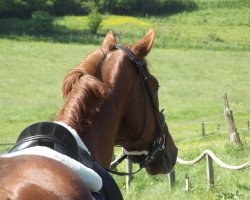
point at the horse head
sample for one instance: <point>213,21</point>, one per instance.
<point>111,99</point>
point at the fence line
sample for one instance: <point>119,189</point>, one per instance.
<point>210,157</point>
<point>195,122</point>
<point>211,131</point>
<point>215,158</point>
<point>199,138</point>
<point>211,117</point>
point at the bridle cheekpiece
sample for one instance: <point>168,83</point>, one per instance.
<point>143,158</point>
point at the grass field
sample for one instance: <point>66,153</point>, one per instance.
<point>198,57</point>
<point>191,90</point>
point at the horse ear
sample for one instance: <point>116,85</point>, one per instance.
<point>144,45</point>
<point>108,42</point>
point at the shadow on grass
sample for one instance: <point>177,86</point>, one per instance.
<point>21,29</point>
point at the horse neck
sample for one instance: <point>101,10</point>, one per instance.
<point>98,103</point>
<point>100,135</point>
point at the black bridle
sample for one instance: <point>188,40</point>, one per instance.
<point>158,144</point>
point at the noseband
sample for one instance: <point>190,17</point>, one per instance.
<point>143,158</point>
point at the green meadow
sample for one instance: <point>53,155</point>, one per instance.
<point>198,56</point>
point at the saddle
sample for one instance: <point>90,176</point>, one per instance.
<point>60,139</point>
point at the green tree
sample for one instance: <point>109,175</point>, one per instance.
<point>95,20</point>
<point>42,22</point>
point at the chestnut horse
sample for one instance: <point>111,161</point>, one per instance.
<point>110,99</point>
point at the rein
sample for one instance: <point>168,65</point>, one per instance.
<point>145,157</point>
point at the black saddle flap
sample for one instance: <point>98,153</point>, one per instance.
<point>48,134</point>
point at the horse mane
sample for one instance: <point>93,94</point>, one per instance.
<point>83,92</point>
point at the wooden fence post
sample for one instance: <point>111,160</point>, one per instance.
<point>203,129</point>
<point>187,183</point>
<point>233,134</point>
<point>210,171</point>
<point>129,167</point>
<point>171,176</point>
<point>113,158</point>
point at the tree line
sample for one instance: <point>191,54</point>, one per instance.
<point>24,8</point>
